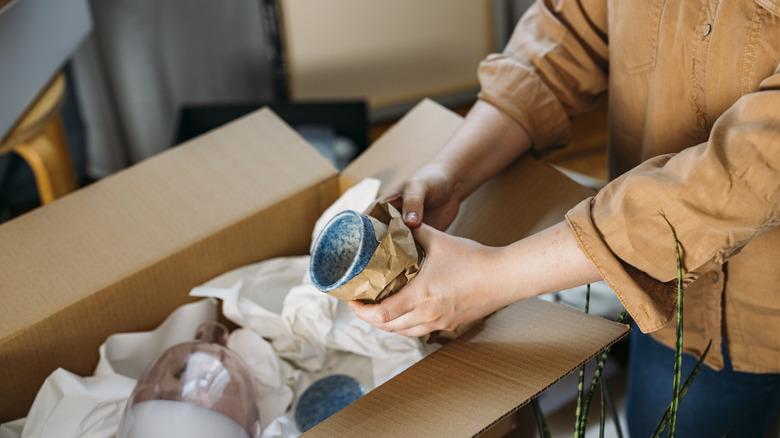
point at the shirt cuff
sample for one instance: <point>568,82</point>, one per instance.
<point>519,92</point>
<point>650,302</point>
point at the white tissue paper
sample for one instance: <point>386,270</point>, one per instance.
<point>292,334</point>
<point>128,354</point>
<point>69,405</point>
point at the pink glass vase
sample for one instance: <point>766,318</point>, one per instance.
<point>195,389</point>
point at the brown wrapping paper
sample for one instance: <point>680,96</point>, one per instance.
<point>395,262</point>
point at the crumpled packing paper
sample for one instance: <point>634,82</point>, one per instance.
<point>291,335</point>
<point>312,324</point>
<point>69,405</point>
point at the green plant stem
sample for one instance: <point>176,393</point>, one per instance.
<point>541,423</point>
<point>612,409</point>
<point>683,391</point>
<point>597,376</point>
<point>679,338</point>
<point>592,388</point>
<point>602,412</point>
<point>579,422</point>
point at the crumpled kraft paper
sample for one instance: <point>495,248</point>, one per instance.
<point>395,262</point>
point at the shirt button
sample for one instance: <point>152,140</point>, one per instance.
<point>706,30</point>
<point>715,277</point>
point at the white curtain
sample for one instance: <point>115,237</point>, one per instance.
<point>148,58</point>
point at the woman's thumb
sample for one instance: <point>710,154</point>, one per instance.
<point>414,201</point>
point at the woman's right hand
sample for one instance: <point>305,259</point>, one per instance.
<point>484,144</point>
<point>429,196</point>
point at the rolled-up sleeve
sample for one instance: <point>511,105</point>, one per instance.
<point>717,195</point>
<point>553,67</point>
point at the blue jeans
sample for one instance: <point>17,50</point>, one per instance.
<point>719,402</point>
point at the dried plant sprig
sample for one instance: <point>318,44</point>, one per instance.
<point>541,423</point>
<point>579,422</point>
<point>684,390</point>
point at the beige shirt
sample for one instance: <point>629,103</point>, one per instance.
<point>694,128</point>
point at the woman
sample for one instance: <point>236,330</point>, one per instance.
<point>694,128</point>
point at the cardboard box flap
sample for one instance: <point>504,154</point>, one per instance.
<point>62,252</point>
<point>480,378</point>
<point>121,254</point>
<point>410,144</point>
<point>526,198</point>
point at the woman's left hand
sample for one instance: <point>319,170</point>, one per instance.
<point>452,288</point>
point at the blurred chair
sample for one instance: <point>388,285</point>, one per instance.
<point>39,138</point>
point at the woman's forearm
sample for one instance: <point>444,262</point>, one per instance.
<point>546,262</point>
<point>486,142</point>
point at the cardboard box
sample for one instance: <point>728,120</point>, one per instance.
<point>121,254</point>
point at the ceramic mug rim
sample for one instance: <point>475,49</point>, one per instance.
<point>341,280</point>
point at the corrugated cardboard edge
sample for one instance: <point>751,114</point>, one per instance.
<point>538,393</point>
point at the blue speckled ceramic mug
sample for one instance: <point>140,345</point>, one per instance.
<point>324,398</point>
<point>342,250</point>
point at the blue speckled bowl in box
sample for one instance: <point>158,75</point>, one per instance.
<point>324,398</point>
<point>342,250</point>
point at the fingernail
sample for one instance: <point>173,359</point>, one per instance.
<point>411,217</point>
